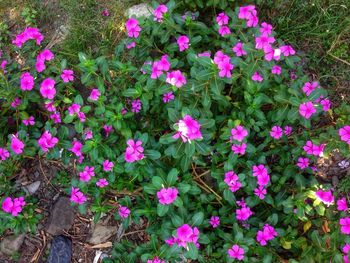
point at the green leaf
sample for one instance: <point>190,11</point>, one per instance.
<point>192,252</point>
<point>197,218</point>
<point>157,182</point>
<point>162,209</point>
<point>172,176</point>
<point>152,154</point>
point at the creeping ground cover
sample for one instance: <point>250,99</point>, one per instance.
<point>214,126</point>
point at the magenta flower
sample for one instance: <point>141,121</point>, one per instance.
<point>346,248</point>
<point>123,211</point>
<point>221,57</point>
<point>156,260</point>
<point>86,175</point>
<point>288,130</point>
<point>159,12</point>
<point>204,54</point>
<point>49,105</point>
<point>94,95</point>
<point>257,77</point>
<point>342,205</point>
<point>249,14</point>
<point>107,165</point>
<point>29,122</point>
<point>276,132</point>
<point>344,134</point>
<point>102,183</point>
<point>28,34</point>
<point>3,65</point>
<point>345,225</point>
<point>183,43</point>
<point>236,252</point>
<point>45,55</point>
<point>56,117</point>
<point>13,206</point>
<point>16,102</point>
<point>266,234</point>
<point>309,87</point>
<point>47,141</point>
<point>307,109</point>
<point>130,45</point>
<point>287,50</point>
<point>132,27</point>
<point>176,78</point>
<point>67,75</point>
<point>168,97</point>
<point>16,145</point>
<point>303,163</point>
<point>238,133</point>
<point>243,213</point>
<point>27,81</point>
<point>271,53</point>
<point>225,69</point>
<point>107,129</point>
<point>4,154</point>
<point>232,180</point>
<point>325,197</point>
<point>188,129</point>
<point>239,148</point>
<point>136,105</point>
<point>260,192</point>
<point>88,135</point>
<point>164,63</point>
<point>263,41</point>
<point>266,29</point>
<point>105,12</point>
<point>77,196</point>
<point>224,30</point>
<point>74,108</point>
<point>222,19</point>
<point>47,88</point>
<point>156,70</point>
<point>276,70</point>
<point>76,148</point>
<point>214,221</point>
<point>134,151</point>
<point>167,196</point>
<point>186,234</point>
<point>313,149</point>
<point>238,49</point>
<point>40,66</point>
<point>260,171</point>
<point>326,104</point>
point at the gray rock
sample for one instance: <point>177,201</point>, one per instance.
<point>62,217</point>
<point>139,11</point>
<point>32,188</point>
<point>11,244</point>
<point>102,233</point>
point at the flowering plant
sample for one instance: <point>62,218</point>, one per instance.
<point>217,124</point>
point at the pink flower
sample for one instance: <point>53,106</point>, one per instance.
<point>88,135</point>
<point>67,75</point>
<point>346,248</point>
<point>167,196</point>
<point>239,148</point>
<point>94,95</point>
<point>239,133</point>
<point>277,70</point>
<point>168,97</point>
<point>45,55</point>
<point>224,30</point>
<point>76,148</point>
<point>326,104</point>
<point>16,145</point>
<point>344,134</point>
<point>29,122</point>
<point>130,45</point>
<point>245,12</point>
<point>214,221</point>
<point>47,141</point>
<point>260,192</point>
<point>303,163</point>
<point>232,180</point>
<point>257,77</point>
<point>345,225</point>
<point>155,260</point>
<point>184,233</point>
<point>47,88</point>
<point>238,49</point>
<point>81,116</point>
<point>156,70</point>
<point>123,211</point>
<point>183,43</point>
<point>13,206</point>
<point>263,41</point>
<point>49,105</point>
<point>107,165</point>
<point>3,65</point>
<point>308,87</point>
<point>236,252</point>
<point>134,151</point>
<point>325,197</point>
<point>16,102</point>
<point>132,27</point>
<point>74,108</point>
<point>40,66</point>
<point>243,213</point>
<point>341,204</point>
<point>77,196</point>
<point>105,12</point>
<point>316,150</point>
<point>222,19</point>
<point>266,234</point>
<point>266,29</point>
<point>188,129</point>
<point>271,53</point>
<point>86,175</point>
<point>27,81</point>
<point>136,105</point>
<point>27,34</point>
<point>307,109</point>
<point>164,63</point>
<point>4,154</point>
<point>287,50</point>
<point>159,12</point>
<point>276,132</point>
<point>204,54</point>
<point>288,130</point>
<point>260,171</point>
<point>56,117</point>
<point>107,129</point>
<point>102,183</point>
<point>225,69</point>
<point>221,57</point>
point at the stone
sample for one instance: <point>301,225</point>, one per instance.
<point>32,188</point>
<point>11,244</point>
<point>62,217</point>
<point>61,250</point>
<point>102,233</point>
<point>139,11</point>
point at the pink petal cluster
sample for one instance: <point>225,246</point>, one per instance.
<point>309,87</point>
<point>243,213</point>
<point>236,252</point>
<point>130,45</point>
<point>287,50</point>
<point>276,132</point>
<point>13,206</point>
<point>345,225</point>
<point>239,148</point>
<point>67,75</point>
<point>257,77</point>
<point>176,78</point>
<point>76,148</point>
<point>266,234</point>
<point>4,154</point>
<point>344,134</point>
<point>159,12</point>
<point>102,183</point>
<point>132,27</point>
<point>107,129</point>
<point>160,66</point>
<point>249,14</point>
<point>85,176</point>
<point>45,55</point>
<point>184,234</point>
<point>123,211</point>
<point>260,192</point>
<point>260,171</point>
<point>307,109</point>
<point>16,102</point>
<point>47,88</point>
<point>95,94</point>
<point>224,64</point>
<point>326,104</point>
<point>224,30</point>
<point>188,129</point>
<point>276,70</point>
<point>287,130</point>
<point>167,97</point>
<point>47,141</point>
<point>342,205</point>
<point>16,145</point>
<point>238,49</point>
<point>134,151</point>
<point>88,135</point>
<point>107,165</point>
<point>238,133</point>
<point>74,108</point>
<point>136,106</point>
<point>77,196</point>
<point>263,41</point>
<point>232,180</point>
<point>266,29</point>
<point>222,19</point>
<point>167,196</point>
<point>27,81</point>
<point>29,122</point>
<point>325,197</point>
<point>27,34</point>
<point>155,260</point>
<point>346,250</point>
<point>56,117</point>
<point>214,221</point>
<point>313,149</point>
<point>303,162</point>
<point>183,43</point>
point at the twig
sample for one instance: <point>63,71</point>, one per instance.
<point>133,232</point>
<point>341,60</point>
<point>47,180</point>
